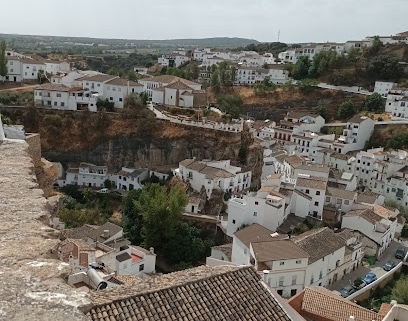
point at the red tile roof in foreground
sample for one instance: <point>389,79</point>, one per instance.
<point>325,305</point>
<point>203,293</point>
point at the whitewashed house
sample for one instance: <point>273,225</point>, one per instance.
<point>134,260</point>
<point>66,79</point>
<point>95,84</point>
<point>384,87</point>
<point>173,60</point>
<point>30,68</point>
<point>252,75</point>
<point>55,67</point>
<point>265,207</point>
<point>140,70</point>
<point>376,225</point>
<point>357,132</point>
<point>86,175</point>
<point>212,175</point>
<point>116,90</point>
<point>327,254</point>
<point>396,188</point>
<point>129,178</point>
<point>340,199</point>
<point>14,67</point>
<point>52,96</point>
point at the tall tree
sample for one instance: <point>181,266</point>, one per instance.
<point>161,210</point>
<point>374,102</point>
<point>132,220</point>
<point>3,60</point>
<point>346,110</point>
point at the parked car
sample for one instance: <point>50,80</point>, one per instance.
<point>389,265</point>
<point>103,190</point>
<point>370,278</point>
<point>346,291</point>
<point>358,284</point>
<point>400,253</point>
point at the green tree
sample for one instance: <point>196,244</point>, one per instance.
<point>132,220</point>
<point>41,76</point>
<point>78,217</point>
<point>384,67</point>
<point>399,141</point>
<point>301,68</point>
<point>3,61</point>
<point>400,290</point>
<point>144,97</point>
<point>161,210</point>
<point>374,102</point>
<point>186,244</point>
<point>230,104</point>
<point>107,183</point>
<point>215,82</point>
<point>321,110</point>
<point>346,110</point>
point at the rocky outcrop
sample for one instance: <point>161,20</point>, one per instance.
<point>31,276</point>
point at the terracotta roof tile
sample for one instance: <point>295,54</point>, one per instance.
<point>319,243</point>
<point>203,293</point>
<point>311,182</point>
<point>366,214</point>
<point>277,250</point>
<point>326,305</point>
<point>256,233</point>
<point>52,87</point>
<point>340,193</point>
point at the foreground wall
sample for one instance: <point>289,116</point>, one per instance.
<point>31,277</point>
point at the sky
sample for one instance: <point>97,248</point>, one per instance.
<point>262,20</point>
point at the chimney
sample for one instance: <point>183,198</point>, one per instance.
<point>105,233</point>
<point>265,275</point>
<point>351,318</point>
<point>151,250</point>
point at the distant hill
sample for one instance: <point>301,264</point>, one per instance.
<point>15,40</point>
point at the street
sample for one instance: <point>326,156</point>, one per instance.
<point>389,255</point>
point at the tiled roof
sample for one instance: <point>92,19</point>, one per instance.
<point>357,119</point>
<point>340,156</point>
<point>98,78</point>
<point>277,250</point>
<point>225,248</point>
<point>315,168</point>
<point>367,197</point>
<point>319,243</point>
<point>52,87</point>
<point>340,193</point>
<point>81,232</point>
<point>254,233</point>
<point>384,212</point>
<point>178,85</point>
<point>97,233</point>
<point>209,171</point>
<point>123,82</point>
<point>168,79</point>
<point>300,114</point>
<point>294,159</point>
<point>326,305</point>
<point>366,214</point>
<point>203,293</point>
<point>311,182</point>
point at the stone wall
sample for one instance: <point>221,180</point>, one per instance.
<point>31,276</point>
<point>34,148</point>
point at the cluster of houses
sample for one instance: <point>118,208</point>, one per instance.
<point>100,256</point>
<point>94,176</point>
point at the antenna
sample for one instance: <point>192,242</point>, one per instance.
<point>278,35</point>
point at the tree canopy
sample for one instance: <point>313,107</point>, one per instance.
<point>161,210</point>
<point>132,220</point>
<point>346,110</point>
<point>230,104</point>
<point>384,67</point>
<point>374,102</point>
<point>3,59</point>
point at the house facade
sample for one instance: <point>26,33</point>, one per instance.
<point>212,175</point>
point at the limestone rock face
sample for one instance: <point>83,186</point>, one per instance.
<point>31,277</point>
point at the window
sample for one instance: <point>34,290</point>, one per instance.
<point>62,104</point>
<point>327,198</point>
<point>113,88</point>
<point>316,203</point>
<point>293,279</point>
<point>307,191</point>
<point>58,95</point>
<point>282,263</point>
<point>99,85</point>
<point>298,261</point>
<point>346,202</point>
<point>281,279</point>
<point>120,99</point>
<point>255,213</point>
<point>55,103</point>
<point>233,221</point>
<point>320,275</point>
<point>119,89</point>
<point>110,98</point>
<point>256,203</point>
<point>339,201</point>
<point>280,292</point>
<point>317,192</point>
<point>11,70</point>
<point>141,267</point>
